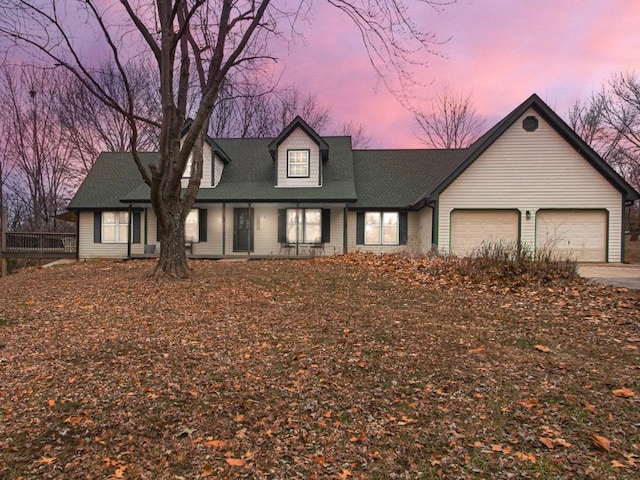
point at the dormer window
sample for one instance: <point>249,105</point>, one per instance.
<point>298,163</point>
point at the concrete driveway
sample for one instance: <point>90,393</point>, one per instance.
<point>615,274</point>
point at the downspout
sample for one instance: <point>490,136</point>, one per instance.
<point>434,227</point>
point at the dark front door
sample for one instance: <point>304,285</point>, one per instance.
<point>242,229</point>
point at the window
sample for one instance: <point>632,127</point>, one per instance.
<point>298,163</point>
<point>381,228</point>
<point>115,227</point>
<point>304,225</point>
<point>191,226</point>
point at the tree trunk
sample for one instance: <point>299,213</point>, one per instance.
<point>173,257</point>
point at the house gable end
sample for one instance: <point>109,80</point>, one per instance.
<point>536,104</point>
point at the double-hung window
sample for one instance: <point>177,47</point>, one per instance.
<point>304,225</point>
<point>298,163</point>
<point>381,228</point>
<point>192,227</point>
<point>115,227</point>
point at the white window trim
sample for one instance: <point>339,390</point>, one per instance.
<point>301,225</point>
<point>381,225</point>
<point>303,161</point>
<point>194,213</point>
<point>117,226</point>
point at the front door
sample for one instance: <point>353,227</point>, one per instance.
<point>242,229</point>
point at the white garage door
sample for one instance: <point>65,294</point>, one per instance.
<point>579,234</point>
<point>470,228</point>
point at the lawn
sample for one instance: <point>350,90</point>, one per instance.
<point>356,367</point>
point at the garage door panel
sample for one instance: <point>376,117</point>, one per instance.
<point>471,228</point>
<point>577,234</point>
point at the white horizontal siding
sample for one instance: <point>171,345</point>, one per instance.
<point>88,249</point>
<point>530,171</point>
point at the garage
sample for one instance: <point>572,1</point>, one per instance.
<point>578,234</point>
<point>471,228</point>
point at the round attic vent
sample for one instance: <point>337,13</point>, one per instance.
<point>530,124</point>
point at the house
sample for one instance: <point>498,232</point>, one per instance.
<point>530,179</point>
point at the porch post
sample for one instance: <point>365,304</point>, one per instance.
<point>224,232</point>
<point>344,230</point>
<point>130,233</point>
<point>297,228</point>
<point>251,227</point>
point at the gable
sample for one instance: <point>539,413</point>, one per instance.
<point>536,167</point>
<point>298,143</point>
<point>536,107</point>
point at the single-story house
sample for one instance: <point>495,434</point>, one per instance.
<point>529,179</point>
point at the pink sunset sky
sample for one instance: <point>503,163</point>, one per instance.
<point>499,51</point>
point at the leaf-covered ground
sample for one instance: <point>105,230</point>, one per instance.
<point>348,367</point>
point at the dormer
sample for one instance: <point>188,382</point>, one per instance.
<point>298,153</point>
<point>213,162</point>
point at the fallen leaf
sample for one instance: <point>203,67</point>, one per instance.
<point>479,349</point>
<point>119,473</point>
<point>216,443</point>
<point>526,456</point>
<point>589,406</point>
<point>542,348</point>
<point>617,464</point>
<point>235,462</point>
<point>47,460</point>
<point>207,471</point>
<point>601,442</point>
<point>623,392</point>
<point>345,473</point>
<point>562,442</point>
<point>547,442</point>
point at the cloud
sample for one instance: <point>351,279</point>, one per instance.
<point>501,52</point>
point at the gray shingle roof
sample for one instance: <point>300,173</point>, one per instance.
<point>399,178</point>
<point>111,178</point>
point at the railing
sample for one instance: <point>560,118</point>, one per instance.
<point>52,245</point>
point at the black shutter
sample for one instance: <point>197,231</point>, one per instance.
<point>326,225</point>
<point>157,230</point>
<point>97,227</point>
<point>136,228</point>
<point>202,225</point>
<point>360,228</point>
<point>404,230</point>
<point>282,225</point>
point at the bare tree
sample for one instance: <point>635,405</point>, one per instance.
<point>196,44</point>
<point>36,146</point>
<point>609,121</point>
<point>451,122</point>
<point>357,132</point>
<point>93,127</point>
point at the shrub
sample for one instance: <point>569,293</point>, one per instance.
<point>516,260</point>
